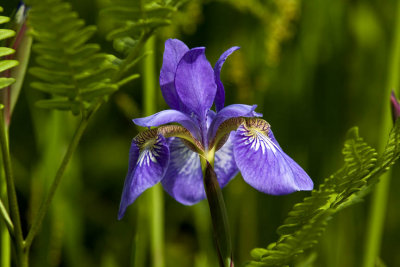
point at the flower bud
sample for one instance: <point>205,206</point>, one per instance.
<point>395,107</point>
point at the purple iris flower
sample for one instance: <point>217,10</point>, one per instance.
<point>232,138</point>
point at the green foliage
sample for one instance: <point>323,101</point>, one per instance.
<point>6,64</point>
<point>307,220</point>
<point>130,23</point>
<point>73,71</point>
<point>129,20</point>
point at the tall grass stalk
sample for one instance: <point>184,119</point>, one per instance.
<point>380,196</point>
<point>156,199</point>
<point>5,241</point>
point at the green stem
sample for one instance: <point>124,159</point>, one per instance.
<point>219,216</point>
<point>156,201</point>
<point>6,227</point>
<point>12,194</point>
<point>47,201</point>
<point>7,219</point>
<point>380,195</point>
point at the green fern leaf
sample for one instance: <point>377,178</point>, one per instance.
<point>6,64</point>
<point>308,220</point>
<point>5,51</point>
<point>131,23</point>
<point>135,29</point>
<point>73,71</point>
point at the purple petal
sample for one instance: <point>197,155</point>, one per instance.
<point>395,106</point>
<point>265,166</point>
<point>225,165</point>
<point>146,168</point>
<point>184,179</point>
<point>194,82</point>
<point>220,95</point>
<point>174,51</point>
<point>169,116</point>
<point>231,111</point>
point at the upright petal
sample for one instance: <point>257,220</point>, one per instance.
<point>224,164</point>
<point>184,178</point>
<point>147,166</point>
<point>169,116</point>
<point>174,50</point>
<point>265,166</point>
<point>220,95</point>
<point>231,111</point>
<point>194,82</point>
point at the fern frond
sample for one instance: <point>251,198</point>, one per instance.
<point>73,71</point>
<point>131,23</point>
<point>6,64</point>
<point>131,19</point>
<point>308,220</point>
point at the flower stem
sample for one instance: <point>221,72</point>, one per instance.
<point>380,195</point>
<point>156,201</point>
<point>47,201</point>
<point>219,216</point>
<point>11,192</point>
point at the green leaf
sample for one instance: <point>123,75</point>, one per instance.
<point>98,91</point>
<point>60,104</point>
<point>5,33</point>
<point>85,51</point>
<point>4,19</point>
<point>134,29</point>
<point>66,90</point>
<point>123,13</point>
<point>4,82</point>
<point>5,51</point>
<point>7,64</point>
<point>78,38</point>
<point>51,76</point>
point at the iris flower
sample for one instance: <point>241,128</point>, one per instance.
<point>233,138</point>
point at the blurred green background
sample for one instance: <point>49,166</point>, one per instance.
<point>314,68</point>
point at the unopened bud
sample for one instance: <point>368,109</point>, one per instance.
<point>395,107</point>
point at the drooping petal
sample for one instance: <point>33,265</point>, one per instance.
<point>147,166</point>
<point>224,163</point>
<point>303,180</point>
<point>220,95</point>
<point>231,111</point>
<point>265,166</point>
<point>194,82</point>
<point>174,50</point>
<point>184,179</point>
<point>169,116</point>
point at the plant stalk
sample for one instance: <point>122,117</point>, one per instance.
<point>7,219</point>
<point>6,227</point>
<point>156,201</point>
<point>380,195</point>
<point>37,222</point>
<point>219,216</point>
<point>11,192</point>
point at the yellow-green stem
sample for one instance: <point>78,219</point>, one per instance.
<point>5,241</point>
<point>380,195</point>
<point>37,222</point>
<point>11,192</point>
<point>156,201</point>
